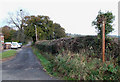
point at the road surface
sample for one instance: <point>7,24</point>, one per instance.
<point>24,66</point>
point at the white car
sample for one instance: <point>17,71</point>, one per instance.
<point>15,45</point>
<point>20,44</point>
<point>8,43</point>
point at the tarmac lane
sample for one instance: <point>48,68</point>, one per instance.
<point>24,66</point>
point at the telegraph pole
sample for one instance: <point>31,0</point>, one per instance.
<point>36,32</point>
<point>103,40</point>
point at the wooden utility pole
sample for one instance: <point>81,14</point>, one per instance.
<point>36,32</point>
<point>103,40</point>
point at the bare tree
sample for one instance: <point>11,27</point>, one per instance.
<point>16,20</point>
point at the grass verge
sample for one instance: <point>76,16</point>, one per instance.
<point>47,65</point>
<point>7,54</point>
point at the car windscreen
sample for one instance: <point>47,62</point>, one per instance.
<point>20,43</point>
<point>14,44</point>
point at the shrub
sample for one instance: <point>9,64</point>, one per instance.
<point>83,62</point>
<point>80,67</point>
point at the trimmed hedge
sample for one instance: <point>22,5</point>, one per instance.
<point>87,43</point>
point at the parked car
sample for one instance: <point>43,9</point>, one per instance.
<point>15,45</point>
<point>20,44</point>
<point>7,45</point>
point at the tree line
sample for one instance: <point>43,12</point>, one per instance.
<point>28,25</point>
<point>46,29</point>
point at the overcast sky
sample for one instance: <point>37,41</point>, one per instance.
<point>75,16</point>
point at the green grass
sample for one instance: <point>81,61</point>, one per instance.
<point>45,63</point>
<point>7,54</point>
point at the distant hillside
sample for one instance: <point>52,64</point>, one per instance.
<point>114,36</point>
<point>77,35</point>
<point>73,35</point>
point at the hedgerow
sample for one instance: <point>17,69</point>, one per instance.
<point>81,58</point>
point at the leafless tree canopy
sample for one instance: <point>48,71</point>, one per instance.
<point>17,19</point>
